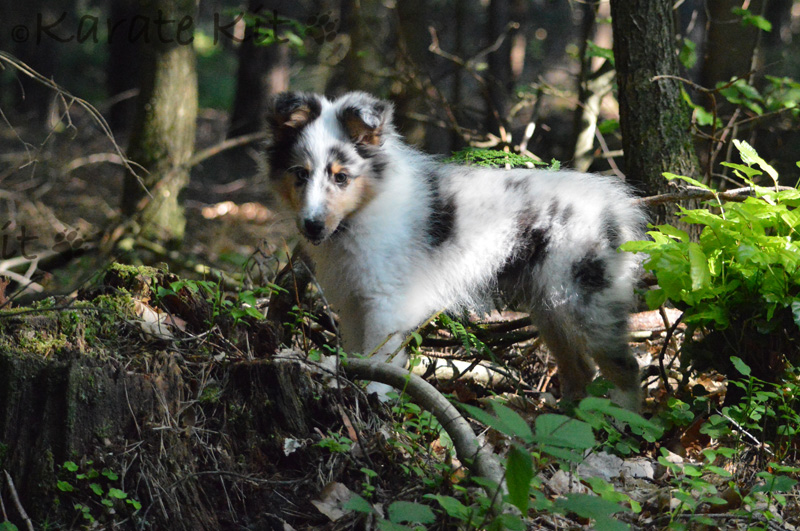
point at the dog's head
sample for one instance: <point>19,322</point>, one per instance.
<point>325,157</point>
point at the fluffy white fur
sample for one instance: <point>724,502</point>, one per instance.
<point>398,236</point>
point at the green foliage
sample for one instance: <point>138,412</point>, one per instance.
<point>766,410</point>
<point>93,493</point>
<point>336,443</point>
<point>238,309</point>
<point>593,50</point>
<point>746,266</point>
<point>492,158</point>
<point>470,342</point>
<point>749,19</point>
<point>563,441</point>
<point>688,53</point>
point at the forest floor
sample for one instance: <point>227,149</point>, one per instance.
<point>224,429</point>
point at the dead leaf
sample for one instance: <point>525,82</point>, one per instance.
<point>332,500</point>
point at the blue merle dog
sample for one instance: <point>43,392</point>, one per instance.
<point>397,235</point>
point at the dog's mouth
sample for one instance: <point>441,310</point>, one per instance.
<point>318,238</point>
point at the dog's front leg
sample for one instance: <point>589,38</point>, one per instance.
<point>383,335</point>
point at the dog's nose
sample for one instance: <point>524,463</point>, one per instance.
<point>313,228</point>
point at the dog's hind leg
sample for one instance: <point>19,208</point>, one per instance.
<point>619,366</point>
<point>574,339</point>
<point>575,371</point>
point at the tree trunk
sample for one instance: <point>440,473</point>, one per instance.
<point>499,62</point>
<point>263,71</point>
<point>729,46</point>
<point>654,119</point>
<point>122,69</point>
<point>412,19</point>
<point>162,140</point>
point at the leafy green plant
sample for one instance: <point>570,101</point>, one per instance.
<point>336,443</point>
<point>95,494</point>
<point>741,280</point>
<point>493,158</point>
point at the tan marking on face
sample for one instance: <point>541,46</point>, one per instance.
<point>347,201</point>
<point>336,167</point>
<point>286,190</point>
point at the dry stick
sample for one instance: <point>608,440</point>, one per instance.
<point>468,448</point>
<point>18,504</point>
<point>667,339</point>
<point>738,195</point>
<point>6,58</point>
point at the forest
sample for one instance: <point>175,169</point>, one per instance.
<point>169,359</point>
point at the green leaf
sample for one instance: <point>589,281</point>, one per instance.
<point>64,486</point>
<point>701,276</point>
<point>8,526</point>
<point>775,483</point>
<point>688,54</point>
<point>519,472</point>
<point>403,511</point>
<point>564,432</point>
<point>589,506</point>
<point>655,298</point>
<point>135,504</point>
<point>358,504</point>
<point>489,420</point>
<point>796,312</point>
<point>97,489</point>
<point>740,365</point>
<point>451,506</point>
<point>607,127</point>
<point>750,157</point>
<point>749,19</point>
<point>71,466</point>
<point>118,494</point>
<point>674,232</point>
<point>513,421</point>
<point>693,182</point>
<point>593,50</point>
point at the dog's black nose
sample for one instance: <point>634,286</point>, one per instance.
<point>313,228</point>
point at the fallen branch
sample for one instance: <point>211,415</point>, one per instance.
<point>469,450</point>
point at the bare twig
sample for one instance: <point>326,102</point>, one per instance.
<point>17,503</point>
<point>737,195</point>
<point>68,100</point>
<point>230,143</point>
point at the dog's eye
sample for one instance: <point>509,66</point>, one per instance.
<point>340,178</point>
<point>300,174</point>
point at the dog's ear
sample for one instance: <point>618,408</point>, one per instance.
<point>289,112</point>
<point>365,119</point>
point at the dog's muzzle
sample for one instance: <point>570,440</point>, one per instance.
<point>314,230</point>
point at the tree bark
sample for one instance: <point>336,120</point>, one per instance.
<point>729,46</point>
<point>654,119</point>
<point>499,63</point>
<point>263,71</point>
<point>162,140</point>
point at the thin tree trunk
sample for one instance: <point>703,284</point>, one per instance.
<point>162,140</point>
<point>263,71</point>
<point>654,119</point>
<point>499,62</point>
